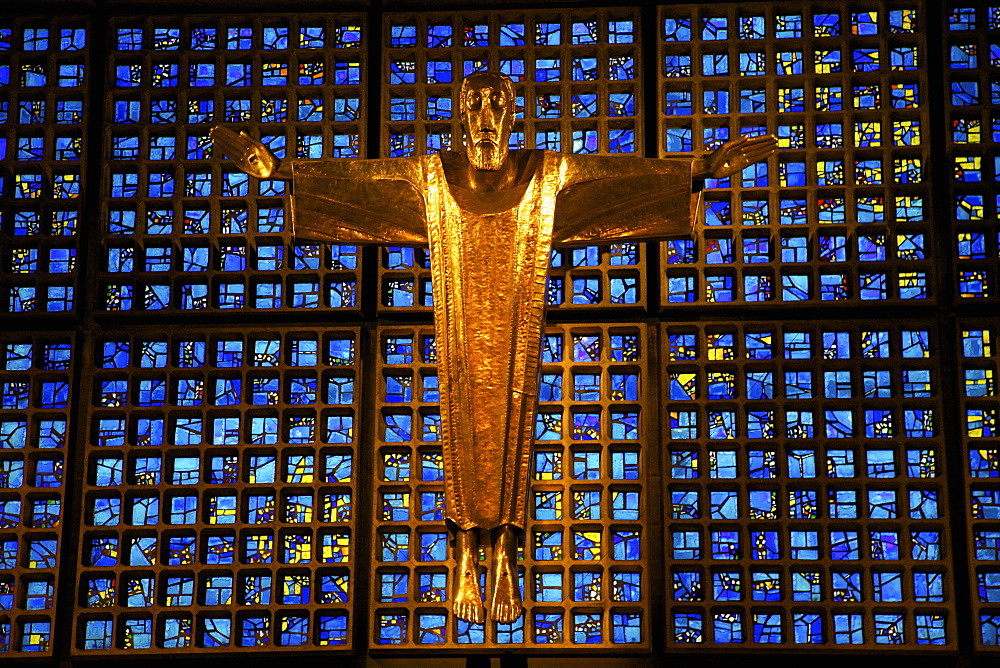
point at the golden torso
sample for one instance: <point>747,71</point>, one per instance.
<point>489,255</point>
<point>489,231</point>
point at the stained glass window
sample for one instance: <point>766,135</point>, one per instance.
<point>189,233</point>
<point>220,483</point>
<point>850,220</point>
<point>575,79</point>
<point>979,354</point>
<point>805,485</point>
<point>36,374</point>
<point>970,58</point>
<point>580,565</point>
<point>42,117</point>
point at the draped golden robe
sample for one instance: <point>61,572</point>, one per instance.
<point>488,275</point>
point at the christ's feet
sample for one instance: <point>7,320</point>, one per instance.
<point>468,600</point>
<point>505,600</point>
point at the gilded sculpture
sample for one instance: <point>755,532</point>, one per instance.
<point>491,217</point>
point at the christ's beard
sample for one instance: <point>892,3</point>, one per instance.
<point>487,156</point>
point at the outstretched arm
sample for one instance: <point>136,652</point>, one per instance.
<point>734,156</point>
<point>249,154</point>
<point>609,198</point>
<point>340,201</point>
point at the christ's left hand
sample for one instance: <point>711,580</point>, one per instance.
<point>735,156</point>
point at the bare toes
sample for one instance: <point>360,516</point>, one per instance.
<point>469,612</point>
<point>505,613</point>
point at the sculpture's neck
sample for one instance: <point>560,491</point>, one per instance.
<point>490,180</point>
<point>481,191</point>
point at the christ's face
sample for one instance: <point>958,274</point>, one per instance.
<point>487,115</point>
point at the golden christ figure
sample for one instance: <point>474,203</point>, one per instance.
<point>491,217</point>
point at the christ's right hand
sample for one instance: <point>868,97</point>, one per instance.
<point>247,153</point>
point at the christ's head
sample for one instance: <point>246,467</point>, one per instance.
<point>487,108</point>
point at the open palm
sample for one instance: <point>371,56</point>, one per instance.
<point>249,154</point>
<point>737,155</point>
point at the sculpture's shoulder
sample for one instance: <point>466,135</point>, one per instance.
<point>578,168</point>
<point>411,169</point>
<point>360,201</point>
<point>623,197</point>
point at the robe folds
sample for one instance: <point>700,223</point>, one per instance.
<point>489,273</point>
